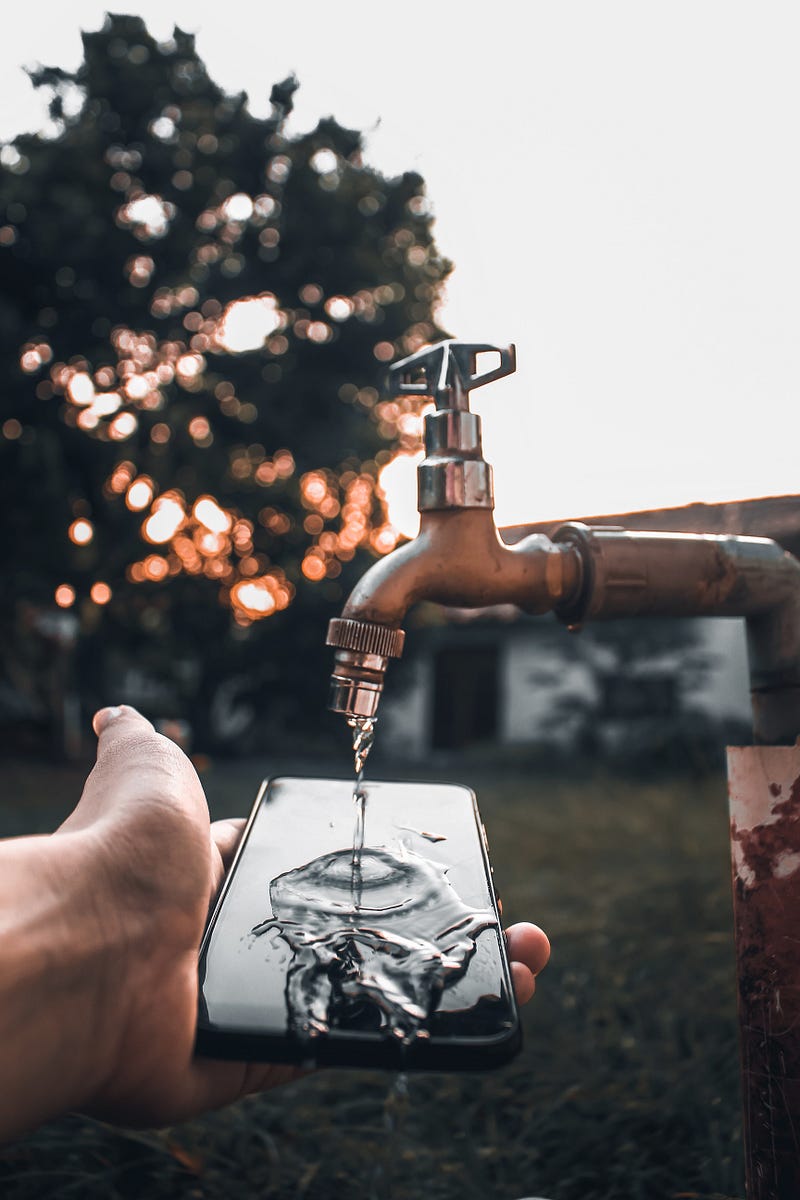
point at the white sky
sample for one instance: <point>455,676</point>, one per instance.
<point>618,184</point>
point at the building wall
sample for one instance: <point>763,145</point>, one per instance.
<point>553,691</point>
<point>725,691</point>
<point>547,687</point>
<point>405,713</point>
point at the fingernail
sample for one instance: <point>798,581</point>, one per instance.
<point>102,718</point>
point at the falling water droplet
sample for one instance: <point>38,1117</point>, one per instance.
<point>363,736</point>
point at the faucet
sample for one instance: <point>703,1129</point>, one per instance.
<point>459,559</point>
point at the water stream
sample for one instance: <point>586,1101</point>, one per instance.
<point>363,737</point>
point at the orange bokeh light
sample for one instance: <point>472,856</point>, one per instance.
<point>122,426</point>
<point>100,593</point>
<point>139,494</point>
<point>254,598</point>
<point>155,567</point>
<point>314,488</point>
<point>208,513</point>
<point>313,568</point>
<point>384,539</point>
<point>81,532</point>
<point>164,521</point>
<point>65,595</point>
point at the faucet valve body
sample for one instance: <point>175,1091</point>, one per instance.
<point>454,473</point>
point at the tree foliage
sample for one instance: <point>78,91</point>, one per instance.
<point>194,309</point>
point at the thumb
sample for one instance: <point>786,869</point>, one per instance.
<point>128,747</point>
<point>119,717</point>
<point>135,766</point>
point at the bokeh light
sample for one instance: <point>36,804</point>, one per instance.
<point>253,599</point>
<point>149,216</point>
<point>166,518</point>
<point>100,592</point>
<point>398,482</point>
<point>246,324</point>
<point>139,493</point>
<point>81,532</point>
<point>238,207</point>
<point>156,567</point>
<point>64,595</point>
<point>80,388</point>
<point>122,426</point>
<point>208,513</point>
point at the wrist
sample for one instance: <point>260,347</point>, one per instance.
<point>61,979</point>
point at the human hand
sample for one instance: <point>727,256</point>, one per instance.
<point>156,863</point>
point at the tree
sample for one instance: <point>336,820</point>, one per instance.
<point>194,308</point>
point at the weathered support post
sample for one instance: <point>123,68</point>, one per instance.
<point>764,787</point>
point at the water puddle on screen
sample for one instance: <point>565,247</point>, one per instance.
<point>377,934</point>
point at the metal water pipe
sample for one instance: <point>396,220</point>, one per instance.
<point>584,573</point>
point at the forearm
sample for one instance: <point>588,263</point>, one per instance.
<point>57,966</point>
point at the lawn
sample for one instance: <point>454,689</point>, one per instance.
<point>627,1088</point>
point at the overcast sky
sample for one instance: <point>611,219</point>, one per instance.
<point>618,185</point>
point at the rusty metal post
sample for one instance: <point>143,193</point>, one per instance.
<point>764,788</point>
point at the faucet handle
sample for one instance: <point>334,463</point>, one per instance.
<point>447,372</point>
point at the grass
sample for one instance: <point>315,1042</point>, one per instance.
<point>627,1088</point>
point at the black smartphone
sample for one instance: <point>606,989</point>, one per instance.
<point>390,954</point>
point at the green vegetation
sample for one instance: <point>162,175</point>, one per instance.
<point>195,310</point>
<point>627,1088</point>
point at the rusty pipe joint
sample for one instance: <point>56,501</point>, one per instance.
<point>633,573</point>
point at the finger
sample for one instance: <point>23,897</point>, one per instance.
<point>524,982</point>
<point>528,945</point>
<point>104,717</point>
<point>135,766</point>
<point>226,836</point>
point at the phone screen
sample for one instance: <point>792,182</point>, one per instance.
<point>393,955</point>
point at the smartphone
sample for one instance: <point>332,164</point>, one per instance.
<point>321,951</point>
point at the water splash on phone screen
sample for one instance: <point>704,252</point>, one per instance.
<point>377,934</point>
<point>382,964</point>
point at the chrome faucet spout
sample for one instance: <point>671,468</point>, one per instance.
<point>457,559</point>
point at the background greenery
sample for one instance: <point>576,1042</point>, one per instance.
<point>153,206</point>
<point>628,1085</point>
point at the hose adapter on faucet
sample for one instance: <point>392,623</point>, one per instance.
<point>453,475</point>
<point>362,655</point>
